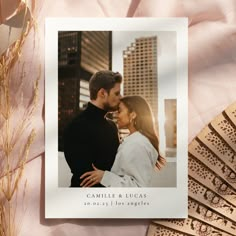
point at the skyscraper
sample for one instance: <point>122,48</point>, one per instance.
<point>140,70</point>
<point>80,54</point>
<point>140,60</point>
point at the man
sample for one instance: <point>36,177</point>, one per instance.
<point>91,138</point>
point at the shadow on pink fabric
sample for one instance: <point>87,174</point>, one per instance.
<point>212,86</point>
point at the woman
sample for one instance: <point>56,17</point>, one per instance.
<point>137,155</point>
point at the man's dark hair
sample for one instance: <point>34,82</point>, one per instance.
<point>103,79</point>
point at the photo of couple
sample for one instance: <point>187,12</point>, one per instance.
<point>117,129</point>
<point>92,146</point>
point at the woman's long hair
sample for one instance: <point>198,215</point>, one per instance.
<point>144,122</point>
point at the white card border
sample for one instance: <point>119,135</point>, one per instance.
<point>69,202</point>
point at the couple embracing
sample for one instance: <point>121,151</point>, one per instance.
<point>91,142</point>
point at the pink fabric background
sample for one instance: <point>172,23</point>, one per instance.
<point>212,86</point>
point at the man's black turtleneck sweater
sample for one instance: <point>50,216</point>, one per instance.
<point>90,138</point>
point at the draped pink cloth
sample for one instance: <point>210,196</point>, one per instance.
<point>212,86</point>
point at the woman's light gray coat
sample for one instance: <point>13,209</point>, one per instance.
<point>134,163</point>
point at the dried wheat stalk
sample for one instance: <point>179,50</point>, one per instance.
<point>12,161</point>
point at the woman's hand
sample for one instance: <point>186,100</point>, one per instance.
<point>91,177</point>
<point>160,162</point>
